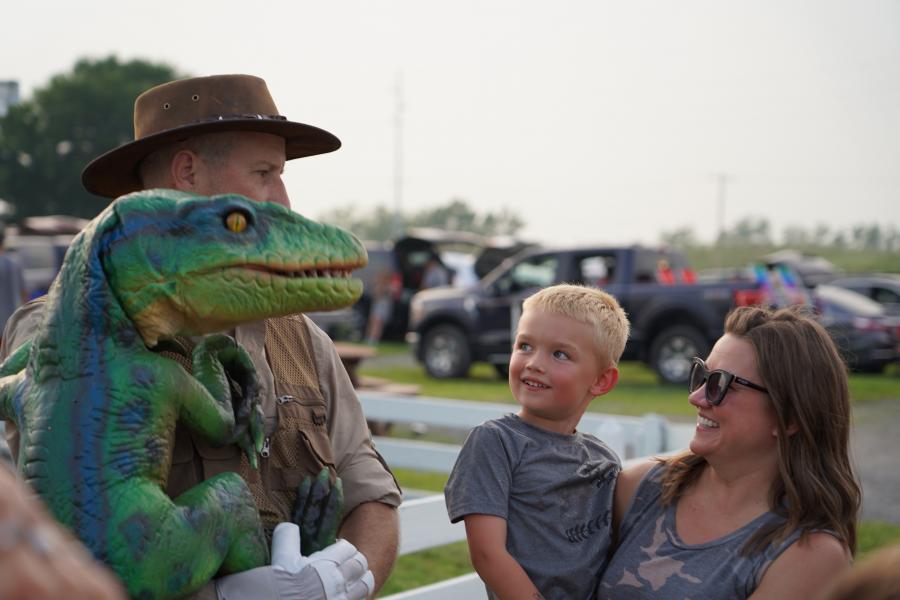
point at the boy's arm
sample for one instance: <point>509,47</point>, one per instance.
<point>505,577</point>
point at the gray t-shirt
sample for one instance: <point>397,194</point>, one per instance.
<point>653,562</point>
<point>555,492</point>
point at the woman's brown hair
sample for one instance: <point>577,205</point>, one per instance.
<point>807,382</point>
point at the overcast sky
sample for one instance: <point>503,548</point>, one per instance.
<point>598,121</point>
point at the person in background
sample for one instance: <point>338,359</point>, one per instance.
<point>875,577</point>
<point>435,274</point>
<point>12,282</point>
<point>39,560</point>
<point>764,504</point>
<point>223,134</point>
<point>535,493</point>
<point>382,307</point>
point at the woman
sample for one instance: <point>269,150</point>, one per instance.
<point>764,505</point>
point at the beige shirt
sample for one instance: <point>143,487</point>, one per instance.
<point>362,470</point>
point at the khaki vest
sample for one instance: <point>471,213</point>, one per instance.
<point>298,447</point>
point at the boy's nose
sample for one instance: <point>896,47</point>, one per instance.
<point>534,362</point>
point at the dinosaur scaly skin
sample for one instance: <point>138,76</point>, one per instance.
<point>97,408</point>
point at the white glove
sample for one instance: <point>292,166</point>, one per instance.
<point>338,572</point>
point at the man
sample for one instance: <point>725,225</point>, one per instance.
<point>223,134</point>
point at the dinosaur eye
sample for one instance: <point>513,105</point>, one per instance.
<point>236,221</point>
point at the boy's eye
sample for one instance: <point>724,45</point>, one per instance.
<point>561,355</point>
<point>524,347</point>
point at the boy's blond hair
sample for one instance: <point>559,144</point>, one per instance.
<point>593,307</point>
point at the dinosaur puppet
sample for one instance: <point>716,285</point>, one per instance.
<point>97,408</point>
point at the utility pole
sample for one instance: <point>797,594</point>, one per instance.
<point>398,154</point>
<point>722,181</point>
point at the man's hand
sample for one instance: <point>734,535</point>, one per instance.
<point>317,511</point>
<point>339,572</point>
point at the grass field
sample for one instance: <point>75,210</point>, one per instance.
<point>637,393</point>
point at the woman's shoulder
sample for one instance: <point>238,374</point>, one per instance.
<point>630,478</point>
<point>805,567</point>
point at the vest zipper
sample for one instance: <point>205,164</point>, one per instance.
<point>266,447</point>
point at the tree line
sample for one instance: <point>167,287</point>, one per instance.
<point>757,231</point>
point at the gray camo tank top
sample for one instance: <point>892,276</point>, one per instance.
<point>653,562</point>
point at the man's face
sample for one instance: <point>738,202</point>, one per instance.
<point>252,166</point>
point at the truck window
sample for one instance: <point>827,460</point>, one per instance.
<point>597,270</point>
<point>533,272</point>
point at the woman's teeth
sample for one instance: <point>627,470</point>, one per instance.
<point>708,423</point>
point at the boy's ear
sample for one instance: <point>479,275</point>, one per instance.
<point>605,381</point>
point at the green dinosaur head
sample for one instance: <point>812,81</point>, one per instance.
<point>185,264</point>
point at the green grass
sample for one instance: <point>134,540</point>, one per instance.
<point>638,392</point>
<point>873,535</point>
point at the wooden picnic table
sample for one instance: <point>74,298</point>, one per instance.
<point>352,355</point>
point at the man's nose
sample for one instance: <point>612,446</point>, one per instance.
<point>278,193</point>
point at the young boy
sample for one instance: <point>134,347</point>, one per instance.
<point>536,494</point>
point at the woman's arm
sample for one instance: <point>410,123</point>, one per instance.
<point>805,569</point>
<point>495,565</point>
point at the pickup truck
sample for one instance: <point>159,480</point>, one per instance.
<point>673,318</point>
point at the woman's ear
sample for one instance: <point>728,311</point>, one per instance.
<point>791,429</point>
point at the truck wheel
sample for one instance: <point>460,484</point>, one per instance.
<point>671,352</point>
<point>445,352</point>
<point>502,371</point>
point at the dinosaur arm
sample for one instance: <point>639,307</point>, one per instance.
<point>12,372</point>
<point>17,360</point>
<point>223,402</point>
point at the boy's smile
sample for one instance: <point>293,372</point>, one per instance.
<point>554,371</point>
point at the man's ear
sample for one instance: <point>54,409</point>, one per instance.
<point>605,381</point>
<point>184,168</point>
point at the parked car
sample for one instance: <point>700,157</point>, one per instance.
<point>41,256</point>
<point>810,268</point>
<point>673,318</point>
<point>883,288</point>
<point>867,337</point>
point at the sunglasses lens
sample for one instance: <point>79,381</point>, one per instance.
<point>698,374</point>
<point>713,388</point>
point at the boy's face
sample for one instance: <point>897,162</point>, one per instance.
<point>554,371</point>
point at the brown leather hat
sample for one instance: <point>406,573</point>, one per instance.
<point>185,108</point>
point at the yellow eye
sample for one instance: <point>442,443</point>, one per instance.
<point>236,222</point>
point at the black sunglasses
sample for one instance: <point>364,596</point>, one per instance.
<point>717,381</point>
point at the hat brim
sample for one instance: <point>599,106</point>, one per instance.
<point>116,172</point>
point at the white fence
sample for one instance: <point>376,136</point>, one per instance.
<point>423,521</point>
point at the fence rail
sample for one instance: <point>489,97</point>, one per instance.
<point>423,521</point>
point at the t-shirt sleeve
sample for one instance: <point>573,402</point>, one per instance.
<point>365,475</point>
<point>21,326</point>
<point>481,478</point>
